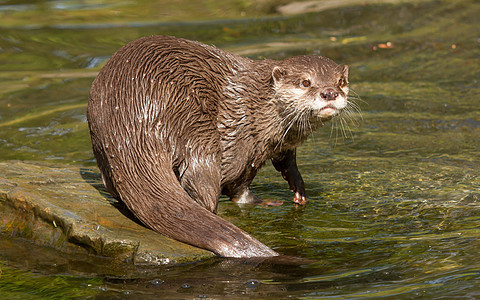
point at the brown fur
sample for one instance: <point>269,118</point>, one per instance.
<point>175,123</point>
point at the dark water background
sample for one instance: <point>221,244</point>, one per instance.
<point>394,208</point>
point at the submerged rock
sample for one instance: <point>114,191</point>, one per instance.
<point>66,207</point>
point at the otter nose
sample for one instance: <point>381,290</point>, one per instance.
<point>329,94</point>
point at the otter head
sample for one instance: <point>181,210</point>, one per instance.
<point>314,86</point>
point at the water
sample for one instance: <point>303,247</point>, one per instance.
<point>394,208</point>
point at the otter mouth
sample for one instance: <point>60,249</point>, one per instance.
<point>328,111</point>
<point>328,107</point>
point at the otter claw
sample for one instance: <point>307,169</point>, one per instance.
<point>299,199</point>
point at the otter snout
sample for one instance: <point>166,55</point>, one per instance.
<point>329,94</point>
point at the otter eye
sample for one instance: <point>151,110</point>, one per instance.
<point>306,83</point>
<point>342,82</point>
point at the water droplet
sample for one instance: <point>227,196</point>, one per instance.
<point>252,283</point>
<point>157,282</point>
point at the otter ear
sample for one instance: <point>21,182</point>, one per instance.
<point>278,73</point>
<point>346,71</point>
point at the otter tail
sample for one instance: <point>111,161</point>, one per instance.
<point>153,193</point>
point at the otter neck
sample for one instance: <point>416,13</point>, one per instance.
<point>250,105</point>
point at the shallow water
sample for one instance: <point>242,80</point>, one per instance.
<point>394,207</point>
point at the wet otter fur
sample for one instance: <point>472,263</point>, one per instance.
<point>175,123</point>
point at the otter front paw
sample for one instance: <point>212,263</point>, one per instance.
<point>299,199</point>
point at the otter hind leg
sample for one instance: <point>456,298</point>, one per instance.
<point>202,183</point>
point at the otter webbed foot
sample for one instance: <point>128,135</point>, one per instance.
<point>248,197</point>
<point>286,163</point>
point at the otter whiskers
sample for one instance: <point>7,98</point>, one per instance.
<point>350,117</point>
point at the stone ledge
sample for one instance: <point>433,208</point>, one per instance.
<point>65,207</point>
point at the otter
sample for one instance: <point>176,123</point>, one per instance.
<point>175,123</point>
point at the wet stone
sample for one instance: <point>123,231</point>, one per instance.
<point>67,208</point>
